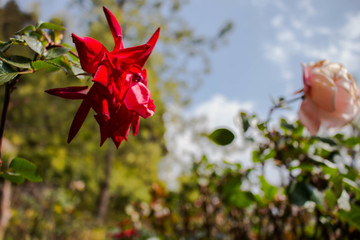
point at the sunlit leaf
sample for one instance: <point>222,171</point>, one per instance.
<point>25,29</point>
<point>34,44</point>
<point>256,156</point>
<point>48,66</point>
<point>330,198</point>
<point>50,26</point>
<point>352,141</point>
<point>222,136</point>
<point>269,190</point>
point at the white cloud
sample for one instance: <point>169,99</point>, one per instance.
<point>351,29</point>
<point>219,111</point>
<point>277,21</point>
<point>186,141</point>
<point>307,7</point>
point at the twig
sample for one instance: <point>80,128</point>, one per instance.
<point>280,105</point>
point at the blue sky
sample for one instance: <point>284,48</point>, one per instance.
<point>269,41</point>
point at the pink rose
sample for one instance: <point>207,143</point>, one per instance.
<point>331,96</point>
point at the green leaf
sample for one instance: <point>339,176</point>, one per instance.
<point>6,73</point>
<point>330,198</point>
<point>285,125</point>
<point>300,192</point>
<point>271,153</point>
<point>269,190</point>
<point>241,199</point>
<point>34,44</point>
<point>244,121</point>
<point>48,66</point>
<point>352,216</point>
<point>13,177</point>
<point>222,136</point>
<point>56,52</point>
<point>352,141</point>
<point>234,196</point>
<point>329,141</point>
<point>20,49</point>
<point>6,77</point>
<point>50,26</point>
<point>25,29</point>
<point>256,156</point>
<point>16,61</point>
<point>5,45</point>
<point>26,169</point>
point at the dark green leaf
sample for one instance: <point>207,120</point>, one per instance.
<point>234,196</point>
<point>56,52</point>
<point>300,192</point>
<point>241,199</point>
<point>6,73</point>
<point>26,169</point>
<point>352,216</point>
<point>16,61</point>
<point>34,44</point>
<point>50,26</point>
<point>244,121</point>
<point>222,136</point>
<point>5,45</point>
<point>329,141</point>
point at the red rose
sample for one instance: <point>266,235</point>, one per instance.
<point>119,95</point>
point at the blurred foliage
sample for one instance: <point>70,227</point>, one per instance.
<point>318,196</point>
